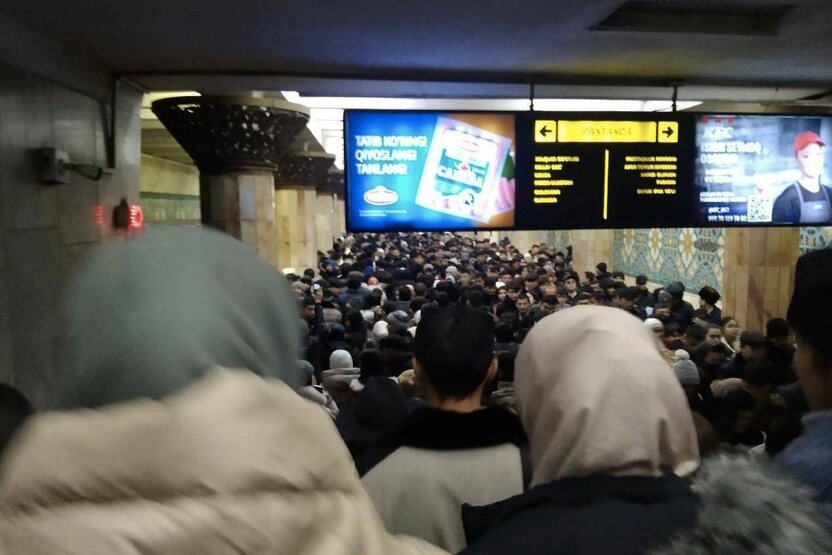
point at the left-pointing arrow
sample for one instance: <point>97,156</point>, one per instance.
<point>545,131</point>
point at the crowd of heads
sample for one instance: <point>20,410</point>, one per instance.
<point>376,293</point>
<point>603,374</point>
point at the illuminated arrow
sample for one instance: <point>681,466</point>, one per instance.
<point>667,132</point>
<point>545,131</point>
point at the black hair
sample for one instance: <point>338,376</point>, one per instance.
<point>672,328</point>
<point>443,299</point>
<point>778,328</point>
<point>405,294</point>
<point>550,299</point>
<point>629,293</point>
<point>454,347</point>
<point>371,363</point>
<point>475,298</point>
<point>503,332</point>
<point>393,341</point>
<point>760,373</point>
<point>15,408</point>
<point>354,322</point>
<point>696,332</point>
<point>416,304</point>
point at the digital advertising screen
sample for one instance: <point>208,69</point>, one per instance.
<point>429,171</point>
<point>762,170</point>
<point>581,170</point>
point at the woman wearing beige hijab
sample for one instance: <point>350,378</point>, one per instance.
<point>611,440</point>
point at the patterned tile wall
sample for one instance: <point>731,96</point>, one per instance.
<point>694,256</point>
<point>170,209</point>
<point>812,238</point>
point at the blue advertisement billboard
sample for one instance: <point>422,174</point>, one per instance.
<point>428,170</point>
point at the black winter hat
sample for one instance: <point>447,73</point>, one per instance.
<point>709,295</point>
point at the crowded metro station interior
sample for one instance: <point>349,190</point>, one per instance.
<point>364,278</point>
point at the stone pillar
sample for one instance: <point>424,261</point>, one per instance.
<point>759,273</point>
<point>327,218</point>
<point>237,143</point>
<point>296,181</point>
<point>591,246</point>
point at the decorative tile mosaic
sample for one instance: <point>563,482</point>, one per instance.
<point>693,256</point>
<point>560,239</point>
<point>168,208</point>
<point>813,238</point>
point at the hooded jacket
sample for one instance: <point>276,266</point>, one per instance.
<point>233,464</point>
<point>157,452</point>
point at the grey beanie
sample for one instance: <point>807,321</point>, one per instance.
<point>398,320</point>
<point>685,369</point>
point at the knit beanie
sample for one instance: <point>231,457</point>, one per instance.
<point>685,369</point>
<point>398,320</point>
<point>340,359</point>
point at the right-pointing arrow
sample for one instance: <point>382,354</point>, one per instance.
<point>668,132</point>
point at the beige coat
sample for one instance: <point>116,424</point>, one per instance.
<point>234,464</point>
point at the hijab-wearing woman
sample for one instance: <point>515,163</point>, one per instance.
<point>183,343</point>
<point>611,438</point>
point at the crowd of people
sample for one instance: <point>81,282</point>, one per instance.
<point>418,393</point>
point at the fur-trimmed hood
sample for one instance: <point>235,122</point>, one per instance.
<point>748,506</point>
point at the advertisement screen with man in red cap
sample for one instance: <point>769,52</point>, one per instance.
<point>762,169</point>
<point>807,200</point>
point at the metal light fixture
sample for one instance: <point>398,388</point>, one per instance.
<point>55,167</point>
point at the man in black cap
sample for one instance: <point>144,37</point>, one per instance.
<point>570,283</point>
<point>708,313</point>
<point>809,458</point>
<point>682,310</point>
<point>601,271</point>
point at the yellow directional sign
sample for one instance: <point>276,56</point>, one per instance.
<point>545,131</point>
<point>606,131</point>
<point>668,132</point>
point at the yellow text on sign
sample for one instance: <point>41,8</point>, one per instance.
<point>668,131</point>
<point>545,131</point>
<point>606,131</point>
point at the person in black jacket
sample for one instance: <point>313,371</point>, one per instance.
<point>608,462</point>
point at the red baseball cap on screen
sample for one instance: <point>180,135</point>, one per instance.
<point>805,139</point>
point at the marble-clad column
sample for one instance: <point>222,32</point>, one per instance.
<point>296,181</point>
<point>237,143</point>
<point>330,216</point>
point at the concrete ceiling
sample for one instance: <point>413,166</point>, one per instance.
<point>487,48</point>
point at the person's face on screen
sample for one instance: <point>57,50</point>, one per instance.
<point>810,160</point>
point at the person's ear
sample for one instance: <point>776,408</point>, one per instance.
<point>491,375</point>
<point>418,371</point>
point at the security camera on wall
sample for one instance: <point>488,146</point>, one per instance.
<point>55,166</point>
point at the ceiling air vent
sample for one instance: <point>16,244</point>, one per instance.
<point>691,16</point>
